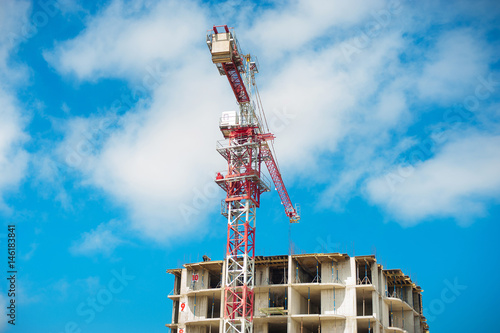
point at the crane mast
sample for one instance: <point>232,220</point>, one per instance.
<point>245,147</point>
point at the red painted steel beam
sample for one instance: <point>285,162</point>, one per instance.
<point>268,158</point>
<point>236,82</point>
<point>220,26</point>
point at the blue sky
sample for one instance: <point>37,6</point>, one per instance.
<point>387,121</point>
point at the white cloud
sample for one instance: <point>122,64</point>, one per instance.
<point>156,159</point>
<point>457,182</point>
<point>126,37</point>
<point>48,178</point>
<point>69,6</point>
<point>101,240</point>
<point>157,162</point>
<point>152,164</point>
<point>13,14</point>
<point>13,158</point>
<point>291,27</point>
<point>458,58</point>
<point>331,100</point>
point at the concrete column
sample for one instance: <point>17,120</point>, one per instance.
<point>260,301</point>
<point>202,307</point>
<point>374,270</point>
<point>326,272</point>
<point>184,283</point>
<point>409,321</point>
<point>260,328</point>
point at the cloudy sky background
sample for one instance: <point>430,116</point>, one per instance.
<point>388,135</point>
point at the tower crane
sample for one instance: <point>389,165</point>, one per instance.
<point>247,142</point>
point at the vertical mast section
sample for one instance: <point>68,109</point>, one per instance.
<point>242,182</point>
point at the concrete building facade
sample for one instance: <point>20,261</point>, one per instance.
<point>303,293</point>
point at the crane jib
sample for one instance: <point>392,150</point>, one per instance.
<point>236,82</point>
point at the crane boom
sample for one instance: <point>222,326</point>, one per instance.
<point>234,77</point>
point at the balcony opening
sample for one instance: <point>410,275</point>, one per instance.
<point>307,270</point>
<point>213,308</point>
<point>365,326</point>
<point>271,270</point>
<point>315,304</point>
<point>277,328</point>
<point>309,301</point>
<point>278,299</point>
<point>214,280</point>
<point>399,286</point>
<point>204,275</point>
<point>364,305</point>
<point>417,302</point>
<point>177,285</point>
<point>396,319</point>
<point>309,328</point>
<point>363,272</point>
<point>278,275</point>
<point>175,319</point>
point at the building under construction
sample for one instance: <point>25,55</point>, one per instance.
<point>303,293</point>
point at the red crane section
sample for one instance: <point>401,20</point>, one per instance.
<point>271,165</point>
<point>225,52</point>
<point>234,77</point>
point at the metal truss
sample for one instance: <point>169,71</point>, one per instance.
<point>243,186</point>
